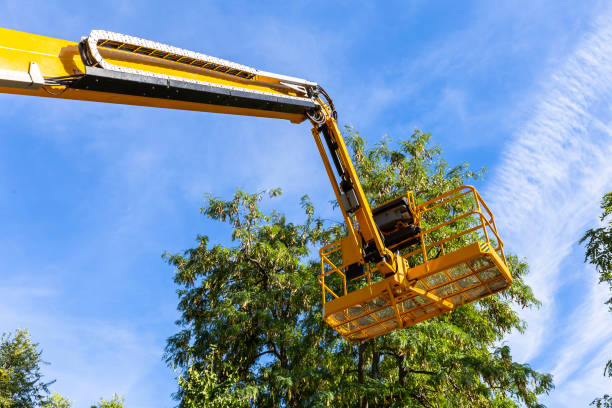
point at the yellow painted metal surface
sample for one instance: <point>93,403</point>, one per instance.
<point>155,65</point>
<point>368,229</point>
<point>445,271</point>
<point>57,58</point>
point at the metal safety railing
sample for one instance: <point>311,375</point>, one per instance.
<point>460,228</point>
<point>485,222</point>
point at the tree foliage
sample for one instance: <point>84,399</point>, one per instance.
<point>57,401</point>
<point>599,253</point>
<point>207,388</point>
<point>21,383</point>
<point>599,245</point>
<point>251,332</point>
<point>603,402</point>
<point>115,402</point>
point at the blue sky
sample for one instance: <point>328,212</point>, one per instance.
<point>91,194</point>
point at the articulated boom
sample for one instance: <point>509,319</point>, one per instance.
<point>380,277</point>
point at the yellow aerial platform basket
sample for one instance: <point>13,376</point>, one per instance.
<point>457,258</point>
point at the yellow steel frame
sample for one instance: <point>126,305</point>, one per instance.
<point>59,58</point>
<point>363,215</point>
<point>428,288</point>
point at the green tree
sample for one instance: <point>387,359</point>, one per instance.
<point>57,401</point>
<point>251,327</point>
<point>207,388</point>
<point>21,383</point>
<point>599,245</point>
<point>115,402</point>
<point>599,253</point>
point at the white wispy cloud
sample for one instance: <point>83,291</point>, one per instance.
<point>592,331</point>
<point>545,194</point>
<point>590,384</point>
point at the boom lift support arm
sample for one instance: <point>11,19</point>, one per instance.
<point>112,67</point>
<point>116,68</point>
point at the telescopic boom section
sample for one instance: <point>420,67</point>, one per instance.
<point>117,68</point>
<point>387,246</point>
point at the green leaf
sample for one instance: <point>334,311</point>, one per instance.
<point>251,333</point>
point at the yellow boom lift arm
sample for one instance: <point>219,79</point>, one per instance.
<point>382,275</point>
